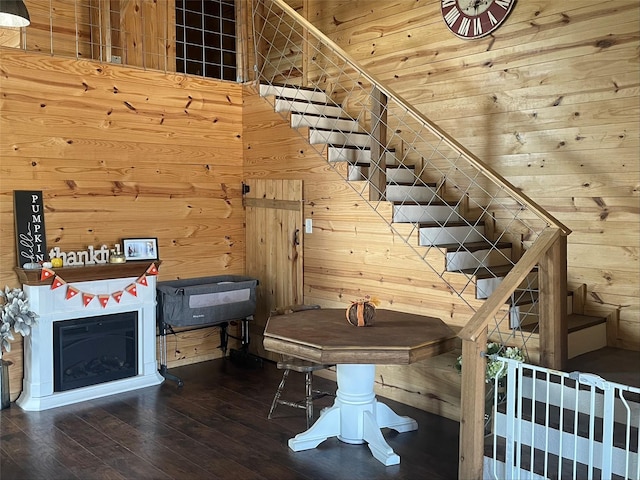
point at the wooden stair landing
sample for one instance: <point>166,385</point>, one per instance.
<point>612,364</point>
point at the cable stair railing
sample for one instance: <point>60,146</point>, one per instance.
<point>460,217</point>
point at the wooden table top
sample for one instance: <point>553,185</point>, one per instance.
<point>325,336</point>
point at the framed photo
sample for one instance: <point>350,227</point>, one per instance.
<point>140,248</point>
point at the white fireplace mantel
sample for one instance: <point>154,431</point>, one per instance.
<point>51,305</point>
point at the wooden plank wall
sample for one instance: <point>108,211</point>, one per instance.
<point>121,152</point>
<point>550,101</point>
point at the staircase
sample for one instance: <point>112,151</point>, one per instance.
<point>424,214</point>
<point>500,253</point>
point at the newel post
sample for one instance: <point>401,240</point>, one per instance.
<point>471,455</point>
<point>552,279</point>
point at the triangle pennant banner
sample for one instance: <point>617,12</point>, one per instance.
<point>86,298</point>
<point>152,270</point>
<point>117,296</point>
<point>71,292</point>
<point>58,282</point>
<point>132,290</point>
<point>143,280</point>
<point>104,299</point>
<point>46,273</point>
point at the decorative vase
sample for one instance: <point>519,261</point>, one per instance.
<point>361,313</point>
<point>5,392</point>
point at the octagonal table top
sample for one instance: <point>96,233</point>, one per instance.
<point>325,336</point>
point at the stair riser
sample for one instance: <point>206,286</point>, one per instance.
<point>480,258</point>
<point>311,108</point>
<point>394,175</point>
<point>441,236</point>
<point>295,93</point>
<point>299,120</point>
<point>424,213</point>
<point>402,193</point>
<point>400,175</point>
<point>339,138</point>
<point>354,155</point>
<point>587,340</point>
<point>486,286</point>
<point>527,314</point>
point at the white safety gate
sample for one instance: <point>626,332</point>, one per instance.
<point>559,425</point>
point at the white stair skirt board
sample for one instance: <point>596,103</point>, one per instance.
<point>355,155</point>
<point>478,258</point>
<point>587,340</point>
<point>289,105</point>
<point>357,139</point>
<point>415,193</point>
<point>294,92</point>
<point>299,120</point>
<point>441,235</point>
<point>425,213</point>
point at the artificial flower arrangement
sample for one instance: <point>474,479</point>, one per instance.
<point>15,315</point>
<point>495,367</point>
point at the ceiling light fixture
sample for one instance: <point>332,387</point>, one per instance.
<point>13,13</point>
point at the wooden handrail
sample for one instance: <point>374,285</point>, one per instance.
<point>518,273</point>
<point>491,174</point>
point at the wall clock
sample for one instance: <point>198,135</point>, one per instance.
<point>474,18</point>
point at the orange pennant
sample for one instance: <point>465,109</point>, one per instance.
<point>152,270</point>
<point>86,298</point>
<point>58,282</point>
<point>143,280</point>
<point>104,299</point>
<point>72,292</point>
<point>132,290</point>
<point>46,273</point>
<point>117,296</point>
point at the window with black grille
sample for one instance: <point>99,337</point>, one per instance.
<point>206,38</point>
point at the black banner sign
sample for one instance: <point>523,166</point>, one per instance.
<point>31,241</point>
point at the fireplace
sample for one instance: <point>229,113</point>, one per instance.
<point>79,352</point>
<point>90,351</point>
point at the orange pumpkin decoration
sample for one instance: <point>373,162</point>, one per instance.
<point>361,313</point>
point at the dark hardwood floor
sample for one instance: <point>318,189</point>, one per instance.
<point>215,427</point>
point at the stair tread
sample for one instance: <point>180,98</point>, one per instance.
<point>474,246</point>
<point>304,100</point>
<point>449,224</point>
<point>332,117</point>
<point>432,203</point>
<point>333,130</point>
<point>355,147</point>
<point>367,164</point>
<point>411,184</point>
<point>577,321</point>
<point>299,87</point>
<point>485,272</point>
<point>523,297</point>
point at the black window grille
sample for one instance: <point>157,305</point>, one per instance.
<point>206,38</point>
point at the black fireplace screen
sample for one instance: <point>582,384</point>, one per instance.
<point>92,350</point>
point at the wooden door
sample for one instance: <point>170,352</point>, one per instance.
<point>273,248</point>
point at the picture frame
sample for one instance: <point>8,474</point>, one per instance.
<point>140,248</point>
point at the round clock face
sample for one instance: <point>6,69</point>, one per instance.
<point>474,18</point>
